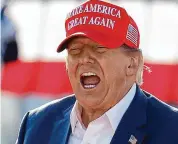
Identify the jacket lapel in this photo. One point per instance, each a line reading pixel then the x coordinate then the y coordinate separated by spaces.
pixel 62 129
pixel 133 124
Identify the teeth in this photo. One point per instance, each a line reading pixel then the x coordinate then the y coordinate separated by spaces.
pixel 89 86
pixel 88 74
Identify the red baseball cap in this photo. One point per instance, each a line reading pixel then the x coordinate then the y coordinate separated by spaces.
pixel 102 22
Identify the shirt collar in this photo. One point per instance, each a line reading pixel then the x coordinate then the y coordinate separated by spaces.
pixel 75 115
pixel 114 115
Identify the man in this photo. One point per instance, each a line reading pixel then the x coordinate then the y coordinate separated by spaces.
pixel 105 67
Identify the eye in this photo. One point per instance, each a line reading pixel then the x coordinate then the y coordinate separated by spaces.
pixel 74 51
pixel 101 49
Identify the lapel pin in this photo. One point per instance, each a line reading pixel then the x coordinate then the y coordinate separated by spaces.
pixel 132 140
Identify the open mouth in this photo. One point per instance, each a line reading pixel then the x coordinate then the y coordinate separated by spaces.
pixel 89 80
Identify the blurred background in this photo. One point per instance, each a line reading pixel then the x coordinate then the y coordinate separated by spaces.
pixel 32 73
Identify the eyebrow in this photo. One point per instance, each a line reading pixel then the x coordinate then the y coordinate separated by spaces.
pixel 101 46
pixel 69 45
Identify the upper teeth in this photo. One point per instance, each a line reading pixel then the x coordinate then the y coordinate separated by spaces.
pixel 88 74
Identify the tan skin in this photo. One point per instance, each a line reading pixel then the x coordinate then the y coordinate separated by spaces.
pixel 115 68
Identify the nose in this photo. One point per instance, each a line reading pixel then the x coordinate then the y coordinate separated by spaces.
pixel 87 56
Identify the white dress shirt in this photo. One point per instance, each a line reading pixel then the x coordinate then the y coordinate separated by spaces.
pixel 101 130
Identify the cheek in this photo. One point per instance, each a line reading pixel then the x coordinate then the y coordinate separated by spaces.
pixel 113 70
pixel 71 66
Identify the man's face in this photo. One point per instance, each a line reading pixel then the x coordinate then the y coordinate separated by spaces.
pixel 97 74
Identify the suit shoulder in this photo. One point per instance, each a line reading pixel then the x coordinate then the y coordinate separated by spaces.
pixel 160 106
pixel 161 112
pixel 55 106
pixel 162 119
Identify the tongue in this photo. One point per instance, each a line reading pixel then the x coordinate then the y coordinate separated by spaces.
pixel 91 80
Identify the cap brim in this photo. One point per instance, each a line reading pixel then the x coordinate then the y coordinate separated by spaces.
pixel 99 37
pixel 63 44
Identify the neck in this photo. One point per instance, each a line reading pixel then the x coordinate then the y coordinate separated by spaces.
pixel 89 115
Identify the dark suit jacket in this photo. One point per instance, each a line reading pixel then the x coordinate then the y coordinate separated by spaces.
pixel 149 120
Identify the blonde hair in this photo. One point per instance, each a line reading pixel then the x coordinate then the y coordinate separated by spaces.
pixel 139 75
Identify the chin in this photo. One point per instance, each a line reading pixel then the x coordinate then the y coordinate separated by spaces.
pixel 89 100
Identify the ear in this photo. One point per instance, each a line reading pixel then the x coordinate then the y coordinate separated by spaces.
pixel 132 66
